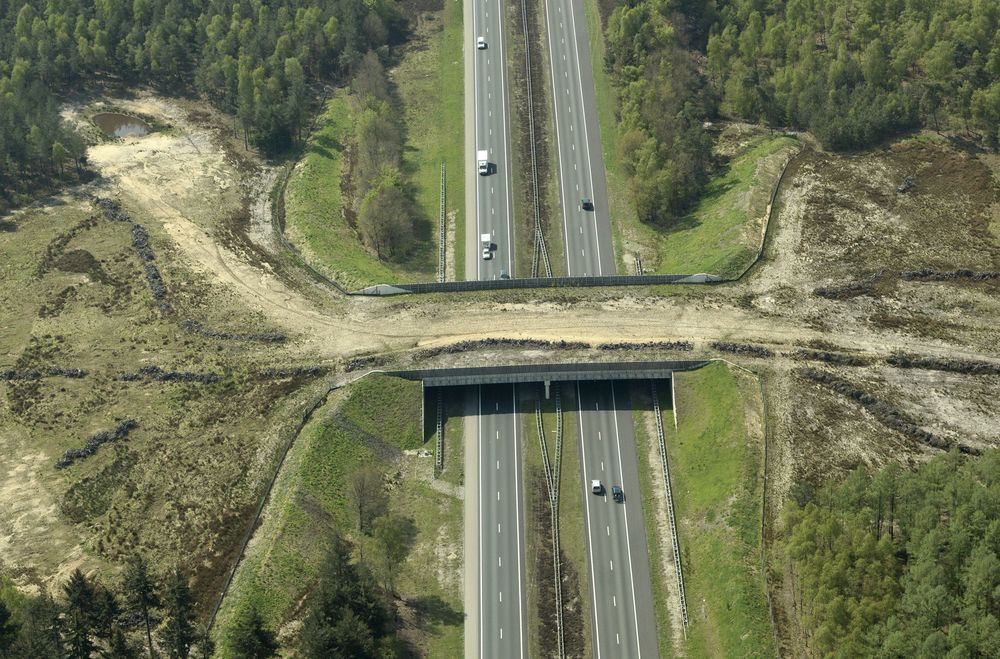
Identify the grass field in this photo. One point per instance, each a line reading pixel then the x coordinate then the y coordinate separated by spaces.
pixel 429 82
pixel 716 471
pixel 310 502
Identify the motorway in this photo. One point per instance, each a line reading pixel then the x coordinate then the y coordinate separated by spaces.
pixel 494 197
pixel 589 247
pixel 621 591
pixel 501 536
pixel 620 588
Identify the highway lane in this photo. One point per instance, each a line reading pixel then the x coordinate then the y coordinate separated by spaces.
pixel 503 632
pixel 621 591
pixel 494 197
pixel 589 246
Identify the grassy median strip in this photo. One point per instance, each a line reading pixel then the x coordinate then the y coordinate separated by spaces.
pixel 311 501
pixel 572 525
pixel 716 471
pixel 541 592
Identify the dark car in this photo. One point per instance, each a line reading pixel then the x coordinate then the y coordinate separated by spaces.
pixel 586 204
pixel 618 493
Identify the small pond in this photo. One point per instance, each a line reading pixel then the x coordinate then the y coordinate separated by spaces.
pixel 120 125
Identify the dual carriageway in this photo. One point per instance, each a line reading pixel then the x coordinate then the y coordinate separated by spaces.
pixel 618 565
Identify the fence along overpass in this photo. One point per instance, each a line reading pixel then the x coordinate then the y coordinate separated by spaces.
pixel 518 373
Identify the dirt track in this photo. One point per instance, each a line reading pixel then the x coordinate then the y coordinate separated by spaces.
pixel 822 236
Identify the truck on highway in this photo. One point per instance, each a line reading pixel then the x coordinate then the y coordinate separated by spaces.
pixel 487 244
pixel 483 162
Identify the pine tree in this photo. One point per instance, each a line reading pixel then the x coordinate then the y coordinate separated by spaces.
pixel 8 631
pixel 249 639
pixel 81 616
pixel 140 592
pixel 178 629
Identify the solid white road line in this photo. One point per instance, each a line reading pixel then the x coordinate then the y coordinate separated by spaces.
pixel 628 542
pixel 517 499
pixel 593 579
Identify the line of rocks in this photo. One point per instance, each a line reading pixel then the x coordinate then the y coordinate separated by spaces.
pixel 829 357
pixel 883 412
pixel 745 349
pixel 358 363
pixel 140 243
pixel 262 337
pixel 648 345
pixel 158 374
pixel 968 367
pixel 293 372
pixel 849 290
pixel 94 442
pixel 463 346
pixel 926 274
pixel 9 376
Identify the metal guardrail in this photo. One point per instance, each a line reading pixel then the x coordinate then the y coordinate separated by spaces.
pixel 439 458
pixel 552 484
pixel 537 282
pixel 442 264
pixel 670 503
pixel 540 248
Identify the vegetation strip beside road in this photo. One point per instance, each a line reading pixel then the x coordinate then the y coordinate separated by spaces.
pixel 716 462
pixel 314 501
pixel 653 502
pixel 332 230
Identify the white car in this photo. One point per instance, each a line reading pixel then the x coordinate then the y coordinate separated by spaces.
pixel 596 487
pixel 487 254
pixel 481 43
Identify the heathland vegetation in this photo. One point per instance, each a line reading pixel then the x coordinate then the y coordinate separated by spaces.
pixel 851 72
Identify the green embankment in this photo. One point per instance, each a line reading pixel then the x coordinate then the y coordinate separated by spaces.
pixel 429 82
pixel 716 471
pixel 311 501
pixel 713 237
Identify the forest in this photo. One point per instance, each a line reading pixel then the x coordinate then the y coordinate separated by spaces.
pixel 348 614
pixel 898 563
pixel 257 60
pixel 851 72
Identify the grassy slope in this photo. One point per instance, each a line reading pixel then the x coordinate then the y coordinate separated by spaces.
pixel 642 405
pixel 429 80
pixel 716 477
pixel 310 502
pixel 716 241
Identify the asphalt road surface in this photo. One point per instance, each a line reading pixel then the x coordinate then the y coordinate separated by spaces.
pixel 589 247
pixel 494 197
pixel 621 591
pixel 503 631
